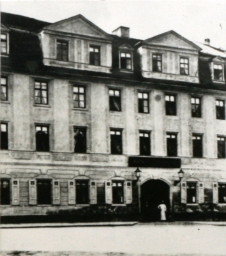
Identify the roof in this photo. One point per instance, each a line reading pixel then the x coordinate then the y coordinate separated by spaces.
pixel 210 50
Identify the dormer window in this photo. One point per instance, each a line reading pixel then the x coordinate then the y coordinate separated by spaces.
pixel 125 60
pixel 157 62
pixel 94 55
pixel 184 66
pixel 62 50
pixel 218 72
pixel 4 43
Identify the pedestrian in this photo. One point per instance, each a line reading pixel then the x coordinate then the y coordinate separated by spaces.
pixel 162 207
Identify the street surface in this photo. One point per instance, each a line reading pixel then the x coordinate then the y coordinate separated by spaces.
pixel 152 239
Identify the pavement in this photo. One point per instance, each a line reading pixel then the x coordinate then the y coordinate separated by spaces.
pixel 108 224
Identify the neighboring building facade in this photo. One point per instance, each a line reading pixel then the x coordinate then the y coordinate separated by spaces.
pixel 81 109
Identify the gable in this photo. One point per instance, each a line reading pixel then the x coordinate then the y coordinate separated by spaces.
pixel 172 39
pixel 218 59
pixel 78 25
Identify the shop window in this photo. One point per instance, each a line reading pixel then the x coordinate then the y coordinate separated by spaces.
pixel 197 145
pixel 41 92
pixel 157 62
pixel 184 66
pixel 62 50
pixel 79 96
pixel 145 144
pixel 114 100
pixel 222 193
pixel 170 105
pixel 221 147
pixel 101 193
pixel 44 191
pixel 4 43
pixel 94 55
pixel 4 88
pixel 116 141
pixel 82 191
pixel 191 192
pixel 220 109
pixel 5 192
pixel 171 141
pixel 42 137
pixel 117 192
pixel 126 60
pixel 195 107
pixel 218 72
pixel 4 135
pixel 80 139
pixel 143 102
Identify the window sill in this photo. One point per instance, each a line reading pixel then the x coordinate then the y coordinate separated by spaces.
pixel 145 113
pixel 82 204
pixel 192 204
pixel 197 117
pixel 219 81
pixel 4 102
pixel 123 204
pixel 220 119
pixel 42 105
pixel 126 70
pixel 80 109
pixel 173 116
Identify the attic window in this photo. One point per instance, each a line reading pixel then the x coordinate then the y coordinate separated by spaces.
pixel 184 66
pixel 62 50
pixel 94 55
pixel 4 43
pixel 218 72
pixel 125 60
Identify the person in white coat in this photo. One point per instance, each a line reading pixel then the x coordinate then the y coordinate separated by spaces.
pixel 162 207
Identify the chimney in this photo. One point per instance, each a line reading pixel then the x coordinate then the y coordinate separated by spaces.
pixel 121 31
pixel 207 41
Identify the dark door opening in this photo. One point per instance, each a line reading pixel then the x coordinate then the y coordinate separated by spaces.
pixel 153 192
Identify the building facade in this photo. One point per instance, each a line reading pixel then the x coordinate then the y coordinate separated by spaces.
pixel 81 110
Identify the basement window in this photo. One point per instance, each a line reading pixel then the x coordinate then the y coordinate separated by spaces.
pixel 118 192
pixel 82 191
pixel 79 139
pixel 116 141
pixel 44 191
pixel 101 193
pixel 191 192
pixel 5 192
pixel 114 100
pixel 222 193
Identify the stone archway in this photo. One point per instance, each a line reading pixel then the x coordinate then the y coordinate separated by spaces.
pixel 153 192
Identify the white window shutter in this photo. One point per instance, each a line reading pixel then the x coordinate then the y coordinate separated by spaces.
pixel 15 192
pixel 93 192
pixel 71 192
pixel 32 192
pixel 215 193
pixel 128 192
pixel 56 192
pixel 183 192
pixel 108 191
pixel 200 192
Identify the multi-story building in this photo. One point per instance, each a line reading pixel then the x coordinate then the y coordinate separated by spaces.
pixel 82 109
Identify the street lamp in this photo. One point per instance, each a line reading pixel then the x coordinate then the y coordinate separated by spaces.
pixel 180 176
pixel 138 174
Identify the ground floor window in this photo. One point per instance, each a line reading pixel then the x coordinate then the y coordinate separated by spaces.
pixel 44 191
pixel 191 193
pixel 118 192
pixel 82 191
pixel 5 192
pixel 222 193
pixel 100 193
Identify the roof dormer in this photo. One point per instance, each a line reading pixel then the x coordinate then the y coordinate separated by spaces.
pixel 217 70
pixel 4 41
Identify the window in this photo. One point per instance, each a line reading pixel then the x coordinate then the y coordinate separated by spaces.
pixel 221 147
pixel 222 193
pixel 170 105
pixel 171 141
pixel 44 191
pixel 4 89
pixel 195 107
pixel 100 193
pixel 125 60
pixel 79 96
pixel 184 66
pixel 220 109
pixel 156 62
pixel 191 192
pixel 5 192
pixel 143 102
pixel 117 192
pixel 80 139
pixel 41 93
pixel 82 191
pixel 62 50
pixel 4 43
pixel 218 72
pixel 94 55
pixel 114 100
pixel 4 136
pixel 116 141
pixel 145 145
pixel 197 145
pixel 42 137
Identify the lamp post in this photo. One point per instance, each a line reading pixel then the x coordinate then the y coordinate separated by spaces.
pixel 138 174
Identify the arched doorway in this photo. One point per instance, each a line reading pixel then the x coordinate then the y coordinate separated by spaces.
pixel 153 192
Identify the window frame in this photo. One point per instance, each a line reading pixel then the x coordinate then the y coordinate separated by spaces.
pixel 219 193
pixel 7 44
pixel 141 102
pixel 116 130
pixel 120 59
pixel 167 146
pixel 157 61
pixel 221 155
pixel 48 132
pixel 196 108
pixel 41 82
pixel 6 99
pixel 7 135
pixel 9 199
pixel 111 99
pixel 143 133
pixel 80 202
pixel 193 146
pixel 214 77
pixel 196 192
pixel 80 128
pixel 50 201
pixel 169 105
pixel 92 60
pixel 59 40
pixel 186 65
pixel 78 95
pixel 113 192
pixel 220 110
